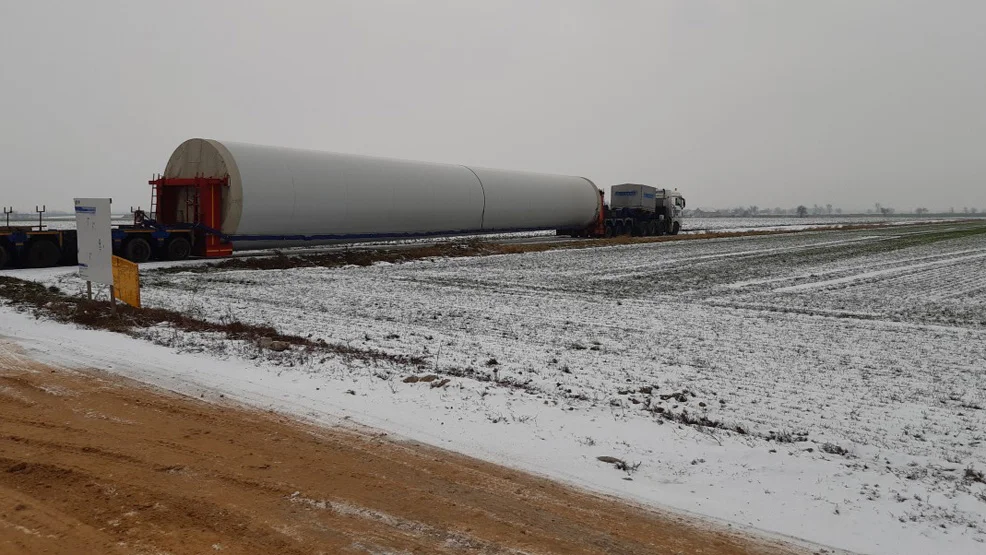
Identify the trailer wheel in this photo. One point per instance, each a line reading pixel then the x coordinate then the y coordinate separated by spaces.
pixel 43 254
pixel 137 250
pixel 4 256
pixel 651 228
pixel 179 248
pixel 618 229
pixel 608 231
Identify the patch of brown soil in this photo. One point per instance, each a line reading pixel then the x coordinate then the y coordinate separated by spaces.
pixel 95 464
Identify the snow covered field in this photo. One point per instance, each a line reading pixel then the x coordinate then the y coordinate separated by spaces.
pixel 828 386
pixel 696 224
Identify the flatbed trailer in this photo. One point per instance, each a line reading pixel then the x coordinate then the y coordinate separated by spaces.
pixel 37 247
pixel 186 219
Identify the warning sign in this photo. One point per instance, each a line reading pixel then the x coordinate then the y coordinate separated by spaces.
pixel 126 281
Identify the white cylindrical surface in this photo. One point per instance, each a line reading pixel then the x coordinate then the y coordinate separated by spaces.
pixel 276 191
pixel 523 200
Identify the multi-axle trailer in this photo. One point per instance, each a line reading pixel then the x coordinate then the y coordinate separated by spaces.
pixel 216 196
pixel 38 246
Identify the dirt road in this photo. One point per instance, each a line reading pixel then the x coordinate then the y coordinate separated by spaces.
pixel 91 463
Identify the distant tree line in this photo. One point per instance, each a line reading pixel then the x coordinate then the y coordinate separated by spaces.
pixel 752 211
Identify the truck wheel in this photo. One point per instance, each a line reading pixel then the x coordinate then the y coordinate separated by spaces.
pixel 179 248
pixel 676 228
pixel 618 229
pixel 4 257
pixel 651 228
pixel 43 254
pixel 137 250
pixel 608 232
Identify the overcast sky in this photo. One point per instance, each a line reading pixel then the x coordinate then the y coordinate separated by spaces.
pixel 734 103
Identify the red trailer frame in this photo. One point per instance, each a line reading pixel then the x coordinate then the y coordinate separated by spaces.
pixel 203 202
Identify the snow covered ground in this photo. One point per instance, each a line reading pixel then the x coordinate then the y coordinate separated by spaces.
pixel 827 386
pixel 722 224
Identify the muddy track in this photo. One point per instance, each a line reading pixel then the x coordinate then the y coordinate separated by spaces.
pixel 95 464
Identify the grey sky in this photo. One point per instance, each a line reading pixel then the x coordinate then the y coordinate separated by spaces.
pixel 734 103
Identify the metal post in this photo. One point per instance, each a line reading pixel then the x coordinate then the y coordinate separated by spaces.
pixel 89 289
pixel 112 301
pixel 7 212
pixel 40 211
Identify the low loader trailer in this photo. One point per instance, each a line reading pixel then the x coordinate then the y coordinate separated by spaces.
pixel 214 195
pixel 38 246
pixel 187 215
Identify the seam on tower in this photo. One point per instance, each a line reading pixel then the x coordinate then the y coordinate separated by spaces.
pixel 482 217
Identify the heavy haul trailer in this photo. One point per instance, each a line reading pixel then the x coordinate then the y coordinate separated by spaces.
pixel 145 240
pixel 214 197
pixel 38 247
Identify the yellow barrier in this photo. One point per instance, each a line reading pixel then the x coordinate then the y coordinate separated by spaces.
pixel 126 281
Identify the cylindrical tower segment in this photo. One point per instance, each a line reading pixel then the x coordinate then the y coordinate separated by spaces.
pixel 275 192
